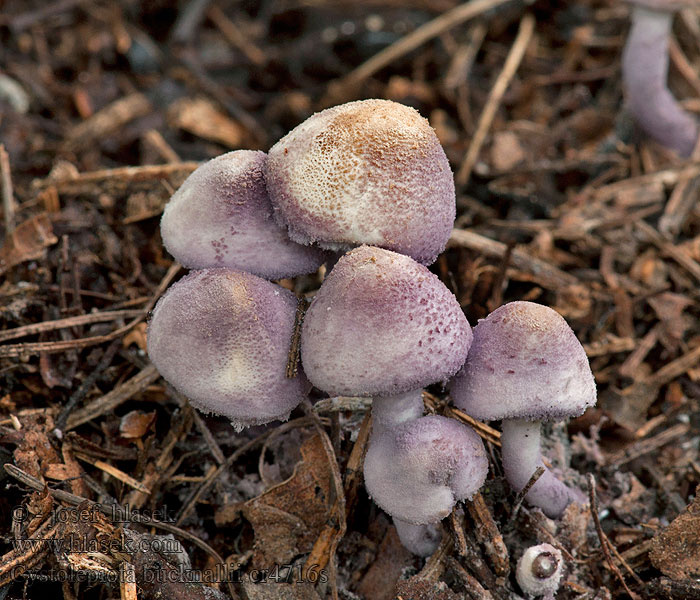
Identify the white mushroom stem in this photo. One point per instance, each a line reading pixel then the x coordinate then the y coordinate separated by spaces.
pixel 645 73
pixel 520 447
pixel 421 540
pixel 387 413
pixel 390 411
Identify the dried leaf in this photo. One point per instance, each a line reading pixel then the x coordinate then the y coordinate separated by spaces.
pixel 288 517
pixel 201 118
pixel 669 308
pixel 135 424
pixel 27 242
pixel 676 550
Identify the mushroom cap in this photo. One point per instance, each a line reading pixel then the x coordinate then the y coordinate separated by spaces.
pixel 539 570
pixel 382 324
pixel 221 216
pixel 222 338
pixel 366 172
pixel 525 363
pixel 420 469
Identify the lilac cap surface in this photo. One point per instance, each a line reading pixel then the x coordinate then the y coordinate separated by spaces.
pixel 525 363
pixel 419 470
pixel 221 216
pixel 222 338
pixel 366 172
pixel 382 324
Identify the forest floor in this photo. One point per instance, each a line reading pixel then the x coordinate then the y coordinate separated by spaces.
pixel 105 108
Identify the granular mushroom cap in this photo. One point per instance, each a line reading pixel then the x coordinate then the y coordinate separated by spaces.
pixel 221 216
pixel 382 324
pixel 366 172
pixel 525 363
pixel 222 338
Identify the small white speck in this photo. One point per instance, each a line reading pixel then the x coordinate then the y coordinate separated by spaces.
pixel 329 35
pixel 347 28
pixel 374 23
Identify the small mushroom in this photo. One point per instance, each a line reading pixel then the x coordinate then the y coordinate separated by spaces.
pixel 525 366
pixel 221 216
pixel 539 571
pixel 222 338
pixel 645 73
pixel 366 172
pixel 382 325
pixel 417 470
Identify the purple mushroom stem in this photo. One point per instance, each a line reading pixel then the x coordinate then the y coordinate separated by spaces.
pixel 645 72
pixel 421 540
pixel 390 411
pixel 520 447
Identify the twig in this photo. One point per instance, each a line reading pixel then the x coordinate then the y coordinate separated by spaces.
pixel 515 56
pixel 488 535
pixel 78 320
pixel 431 29
pixel 116 180
pixel 675 252
pixel 295 345
pixel 111 400
pixel 642 447
pixel 8 200
pixel 472 588
pixel 487 433
pixel 539 471
pixel 85 386
pixel 546 274
pixel 604 542
pixel 15 350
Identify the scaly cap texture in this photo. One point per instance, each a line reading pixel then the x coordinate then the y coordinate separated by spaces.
pixel 382 324
pixel 525 363
pixel 365 172
pixel 222 338
pixel 419 470
pixel 221 216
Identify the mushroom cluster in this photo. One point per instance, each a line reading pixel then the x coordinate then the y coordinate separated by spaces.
pixel 370 171
pixel 366 188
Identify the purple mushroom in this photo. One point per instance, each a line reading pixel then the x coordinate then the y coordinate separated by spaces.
pixel 526 365
pixel 222 338
pixel 645 71
pixel 384 326
pixel 539 571
pixel 221 216
pixel 366 172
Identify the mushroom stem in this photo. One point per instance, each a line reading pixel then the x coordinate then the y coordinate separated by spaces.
pixel 421 540
pixel 645 72
pixel 390 411
pixel 520 446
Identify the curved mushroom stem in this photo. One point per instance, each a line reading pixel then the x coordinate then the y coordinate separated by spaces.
pixel 645 71
pixel 390 411
pixel 520 446
pixel 422 540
